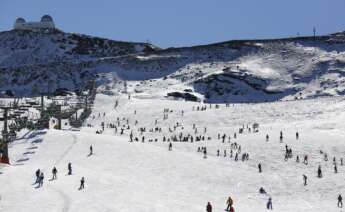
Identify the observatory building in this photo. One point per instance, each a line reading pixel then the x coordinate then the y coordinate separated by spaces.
pixel 45 23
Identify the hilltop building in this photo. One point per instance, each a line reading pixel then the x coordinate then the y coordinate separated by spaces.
pixel 46 22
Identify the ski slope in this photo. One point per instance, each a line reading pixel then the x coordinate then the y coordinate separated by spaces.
pixel 145 176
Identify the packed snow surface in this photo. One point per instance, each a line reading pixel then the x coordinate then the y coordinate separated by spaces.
pixel 145 176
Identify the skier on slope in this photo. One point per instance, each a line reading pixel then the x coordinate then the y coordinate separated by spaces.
pixel 259 167
pixel 319 172
pixel 91 150
pixel 69 168
pixel 209 207
pixel 170 146
pixel 340 201
pixel 82 182
pixel 269 204
pixel 205 153
pixel 305 161
pixel 229 203
pixel 54 171
pixel 37 173
pixel 40 183
pixel 305 179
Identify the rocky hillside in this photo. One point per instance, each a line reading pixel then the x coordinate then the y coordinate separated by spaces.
pixel 19 47
pixel 233 71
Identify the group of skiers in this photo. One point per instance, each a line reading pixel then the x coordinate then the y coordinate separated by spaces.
pixel 229 207
pixel 40 175
pixel 178 134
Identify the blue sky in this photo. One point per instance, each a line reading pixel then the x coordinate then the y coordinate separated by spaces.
pixel 182 22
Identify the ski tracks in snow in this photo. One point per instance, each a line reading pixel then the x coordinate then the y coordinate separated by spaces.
pixel 63 195
pixel 75 140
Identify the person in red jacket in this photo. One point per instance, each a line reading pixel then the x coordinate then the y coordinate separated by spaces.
pixel 209 207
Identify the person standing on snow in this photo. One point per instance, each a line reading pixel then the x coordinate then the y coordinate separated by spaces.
pixel 319 172
pixel 259 167
pixel 170 146
pixel 91 150
pixel 209 207
pixel 269 204
pixel 40 183
pixel 38 172
pixel 54 171
pixel 340 201
pixel 229 202
pixel 305 179
pixel 82 182
pixel 69 168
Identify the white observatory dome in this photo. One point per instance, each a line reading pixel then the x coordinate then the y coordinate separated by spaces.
pixel 46 18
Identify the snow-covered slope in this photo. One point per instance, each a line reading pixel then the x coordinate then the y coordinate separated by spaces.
pixel 145 176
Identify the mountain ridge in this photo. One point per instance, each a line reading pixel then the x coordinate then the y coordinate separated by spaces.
pixel 219 72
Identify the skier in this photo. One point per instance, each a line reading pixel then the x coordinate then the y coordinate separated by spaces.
pixel 229 202
pixel 305 161
pixel 269 204
pixel 209 207
pixel 262 190
pixel 38 172
pixel 54 171
pixel 259 166
pixel 319 172
pixel 267 137
pixel 297 135
pixel 335 168
pixel 69 168
pixel 40 183
pixel 205 153
pixel 170 146
pixel 305 179
pixel 91 150
pixel 340 201
pixel 82 181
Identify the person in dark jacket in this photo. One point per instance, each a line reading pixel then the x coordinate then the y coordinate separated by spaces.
pixel 54 171
pixel 91 150
pixel 69 168
pixel 82 182
pixel 38 172
pixel 340 201
pixel 269 204
pixel 209 207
